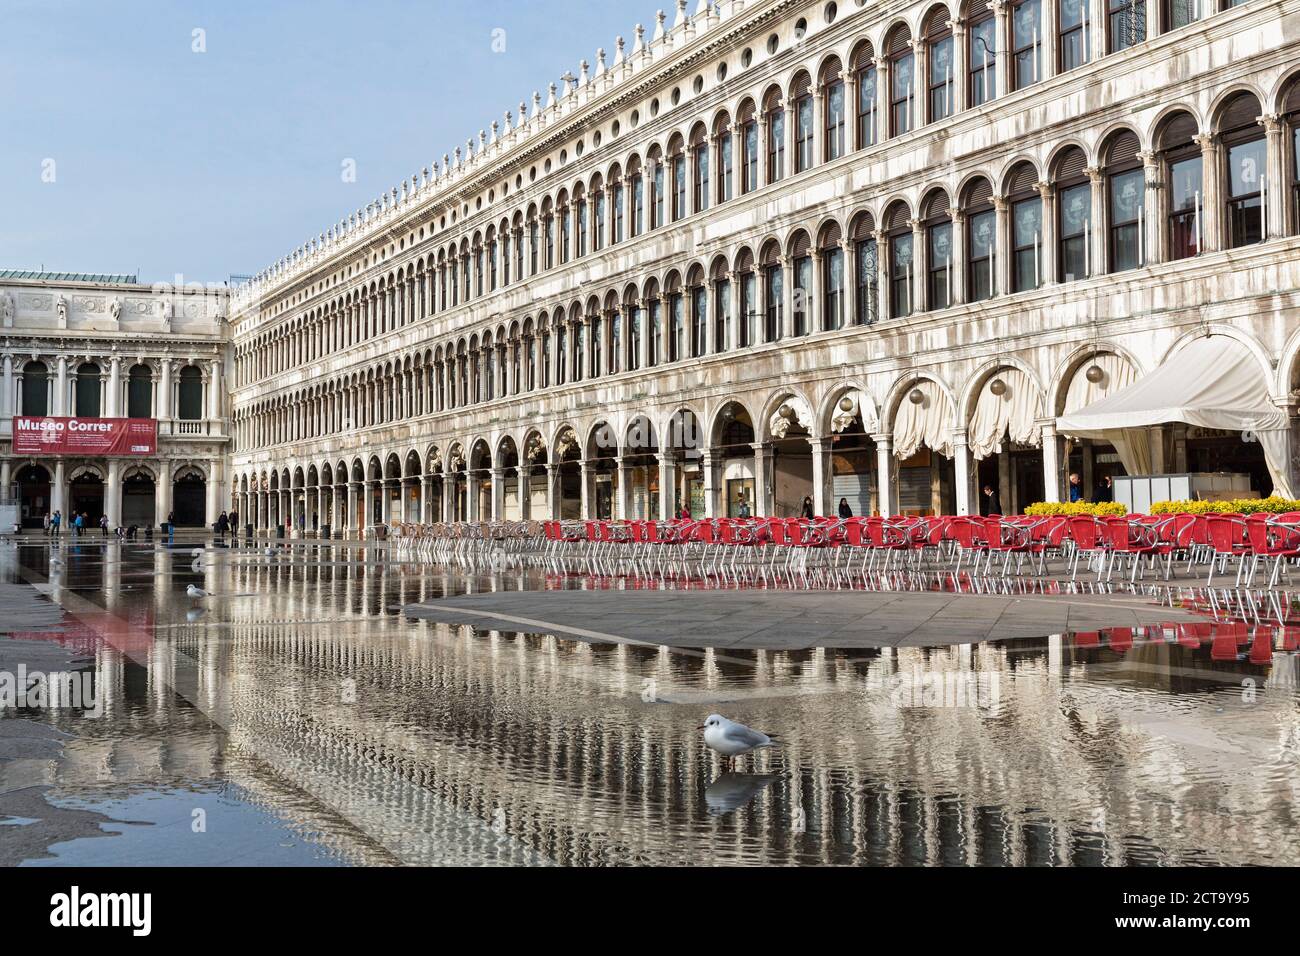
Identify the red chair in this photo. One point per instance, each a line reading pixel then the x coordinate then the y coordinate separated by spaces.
pixel 1227 540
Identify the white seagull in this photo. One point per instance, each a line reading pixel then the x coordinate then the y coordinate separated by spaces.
pixel 731 739
pixel 196 592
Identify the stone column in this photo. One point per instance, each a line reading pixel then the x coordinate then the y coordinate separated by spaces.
pixel 667 489
pixel 448 493
pixel 1001 39
pixel 1047 238
pixel 163 493
pixel 1098 220
pixel 787 296
pixel 354 488
pixel 162 398
pixel 521 479
pixel 1278 185
pixel 1047 40
pixel 1211 238
pixel 762 476
pixel 623 480
pixel 114 404
pixel 821 460
pixel 957 280
pixel 61 387
pixel 1153 208
pixel 213 411
pixel 960 67
pixel 791 121
pixel 1051 461
pixel 919 266
pixel 112 493
pixel 961 468
pixel 1002 246
pixel 712 483
pixel 7 395
pixel 884 111
pixel 584 489
pixel 553 490
pixel 212 491
pixel 819 125
pixel 884 473
pixel 498 477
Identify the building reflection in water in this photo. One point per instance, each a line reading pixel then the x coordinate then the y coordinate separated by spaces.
pixel 386 739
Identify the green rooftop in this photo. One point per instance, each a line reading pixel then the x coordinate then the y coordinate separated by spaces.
pixel 69 277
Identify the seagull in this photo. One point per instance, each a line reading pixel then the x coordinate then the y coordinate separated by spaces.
pixel 196 592
pixel 731 739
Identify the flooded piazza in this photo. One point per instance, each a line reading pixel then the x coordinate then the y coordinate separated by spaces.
pixel 304 714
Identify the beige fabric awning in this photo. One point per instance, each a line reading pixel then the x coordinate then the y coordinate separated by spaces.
pixel 1215 382
pixel 929 423
pixel 1012 414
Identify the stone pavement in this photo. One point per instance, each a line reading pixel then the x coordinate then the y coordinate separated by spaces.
pixel 791 619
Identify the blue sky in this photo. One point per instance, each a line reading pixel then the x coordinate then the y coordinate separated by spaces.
pixel 166 160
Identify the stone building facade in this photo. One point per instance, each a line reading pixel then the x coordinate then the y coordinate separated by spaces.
pixel 776 251
pixel 102 346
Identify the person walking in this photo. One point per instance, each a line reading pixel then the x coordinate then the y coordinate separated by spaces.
pixel 234 522
pixel 807 510
pixel 1076 487
pixel 103 526
pixel 171 526
pixel 223 525
pixel 48 524
pixel 77 523
pixel 845 511
pixel 989 502
pixel 55 520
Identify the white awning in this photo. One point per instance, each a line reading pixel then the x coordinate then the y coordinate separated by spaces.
pixel 1012 414
pixel 928 422
pixel 1215 382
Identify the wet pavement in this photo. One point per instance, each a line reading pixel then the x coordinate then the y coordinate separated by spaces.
pixel 299 717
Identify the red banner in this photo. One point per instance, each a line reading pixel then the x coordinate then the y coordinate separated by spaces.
pixel 119 437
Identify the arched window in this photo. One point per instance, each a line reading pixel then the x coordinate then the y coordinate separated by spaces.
pixel 676 319
pixel 677 157
pixel 1073 31
pixel 726 164
pixel 1126 23
pixel 478 269
pixel 899 232
pixel 656 189
pixel 1073 216
pixel 597 214
pixel 1246 154
pixel 190 403
pixel 902 64
pixel 634 332
pixel 548 218
pixel 749 147
pixel 1291 116
pixel 721 304
pixel 620 209
pixel 981 54
pixel 88 388
pixel 938 40
pixel 1180 159
pixel 36 389
pixel 139 392
pixel 699 293
pixel 866 270
pixel 775 113
pixel 832 265
pixel 1125 203
pixel 578 339
pixel 655 325
pixel 802 265
pixel 596 324
pixel 637 218
pixel 938 251
pixel 615 334
pixel 833 97
pixel 773 294
pixel 747 280
pixel 864 71
pixel 1026 39
pixel 566 227
pixel 699 168
pixel 804 131
pixel 981 240
pixel 580 217
pixel 1026 228
pixel 561 348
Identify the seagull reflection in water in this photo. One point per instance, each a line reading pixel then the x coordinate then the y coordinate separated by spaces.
pixel 731 791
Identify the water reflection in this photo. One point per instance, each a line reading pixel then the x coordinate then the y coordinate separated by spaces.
pixel 381 739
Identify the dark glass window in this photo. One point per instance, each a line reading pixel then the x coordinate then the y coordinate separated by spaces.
pixel 868 279
pixel 749 181
pixel 775 305
pixel 775 145
pixel 867 107
pixel 139 393
pixel 939 271
pixel 748 309
pixel 191 394
pixel 982 230
pixel 983 61
pixel 941 102
pixel 87 404
pixel 36 392
pixel 900 93
pixel 1246 169
pixel 1026 37
pixel 701 196
pixel 900 274
pixel 803 293
pixel 1026 239
pixel 1127 22
pixel 803 141
pixel 1126 214
pixel 721 314
pixel 833 288
pixel 1071 50
pixel 725 168
pixel 834 120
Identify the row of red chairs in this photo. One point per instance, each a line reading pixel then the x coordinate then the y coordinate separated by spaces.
pixel 977 544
